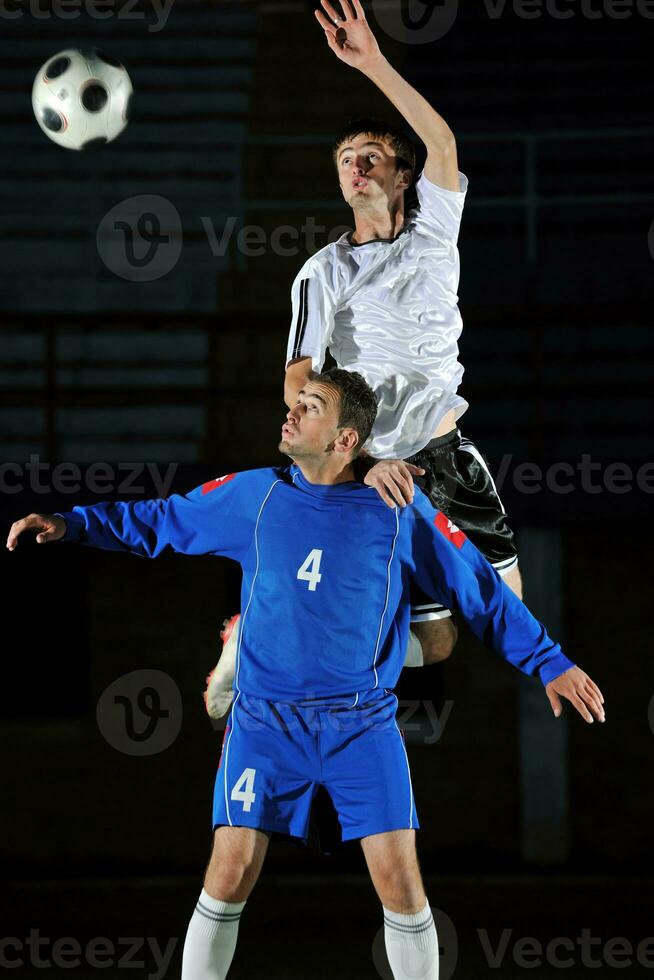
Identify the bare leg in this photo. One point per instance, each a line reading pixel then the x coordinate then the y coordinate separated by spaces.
pixel 409 930
pixel 393 865
pixel 437 638
pixel 514 581
pixel 235 864
pixel 236 861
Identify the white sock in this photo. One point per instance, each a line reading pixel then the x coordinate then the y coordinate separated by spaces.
pixel 211 939
pixel 412 945
pixel 414 655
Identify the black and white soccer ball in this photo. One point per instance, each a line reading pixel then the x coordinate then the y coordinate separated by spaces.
pixel 82 100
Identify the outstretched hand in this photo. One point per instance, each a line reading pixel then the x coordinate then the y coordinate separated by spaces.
pixel 348 33
pixel 49 527
pixel 580 691
pixel 393 481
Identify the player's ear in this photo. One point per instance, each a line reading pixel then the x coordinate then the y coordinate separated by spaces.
pixel 347 441
pixel 405 176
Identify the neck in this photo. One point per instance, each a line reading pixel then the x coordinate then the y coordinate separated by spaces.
pixel 375 225
pixel 327 472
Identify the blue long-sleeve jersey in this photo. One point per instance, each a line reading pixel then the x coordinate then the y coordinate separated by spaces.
pixel 326 574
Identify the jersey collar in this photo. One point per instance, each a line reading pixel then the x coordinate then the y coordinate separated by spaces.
pixel 327 489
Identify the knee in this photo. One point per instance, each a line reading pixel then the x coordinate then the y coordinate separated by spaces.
pixel 438 644
pixel 230 880
pixel 235 863
pixel 401 889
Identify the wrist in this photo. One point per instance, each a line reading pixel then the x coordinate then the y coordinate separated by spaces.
pixel 374 67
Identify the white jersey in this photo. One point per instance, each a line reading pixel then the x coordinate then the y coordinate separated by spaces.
pixel 388 309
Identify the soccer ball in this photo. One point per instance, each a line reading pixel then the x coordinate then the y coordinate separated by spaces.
pixel 82 100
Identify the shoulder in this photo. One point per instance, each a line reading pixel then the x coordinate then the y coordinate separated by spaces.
pixel 322 262
pixel 244 483
pixel 428 190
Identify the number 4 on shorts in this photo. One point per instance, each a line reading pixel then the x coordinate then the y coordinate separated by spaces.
pixel 309 571
pixel 243 791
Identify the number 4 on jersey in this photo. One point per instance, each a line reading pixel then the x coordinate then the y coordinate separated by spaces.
pixel 243 791
pixel 309 571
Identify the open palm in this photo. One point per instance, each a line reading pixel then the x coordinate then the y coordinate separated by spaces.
pixel 357 46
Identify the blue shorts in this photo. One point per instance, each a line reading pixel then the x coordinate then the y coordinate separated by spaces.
pixel 275 756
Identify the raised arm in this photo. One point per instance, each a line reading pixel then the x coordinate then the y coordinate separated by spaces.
pixel 358 48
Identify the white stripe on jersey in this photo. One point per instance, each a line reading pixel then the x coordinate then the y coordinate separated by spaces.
pixel 388 589
pixel 231 732
pixel 408 770
pixel 254 579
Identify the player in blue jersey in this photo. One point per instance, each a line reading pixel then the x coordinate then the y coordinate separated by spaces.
pixel 383 301
pixel 327 569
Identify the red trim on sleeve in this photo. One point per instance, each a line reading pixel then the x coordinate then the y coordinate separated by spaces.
pixel 449 530
pixel 218 482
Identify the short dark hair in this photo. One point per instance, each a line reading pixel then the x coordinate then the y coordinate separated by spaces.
pixel 358 402
pixel 381 130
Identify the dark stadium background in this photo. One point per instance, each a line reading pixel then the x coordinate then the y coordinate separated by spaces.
pixel 538 827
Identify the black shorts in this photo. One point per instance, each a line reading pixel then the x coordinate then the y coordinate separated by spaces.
pixel 458 482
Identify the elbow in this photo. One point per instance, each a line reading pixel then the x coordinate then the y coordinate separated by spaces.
pixel 443 145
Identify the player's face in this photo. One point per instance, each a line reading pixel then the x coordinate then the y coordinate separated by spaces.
pixel 311 426
pixel 367 173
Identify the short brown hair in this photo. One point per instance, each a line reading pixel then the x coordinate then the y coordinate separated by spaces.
pixel 358 408
pixel 380 130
